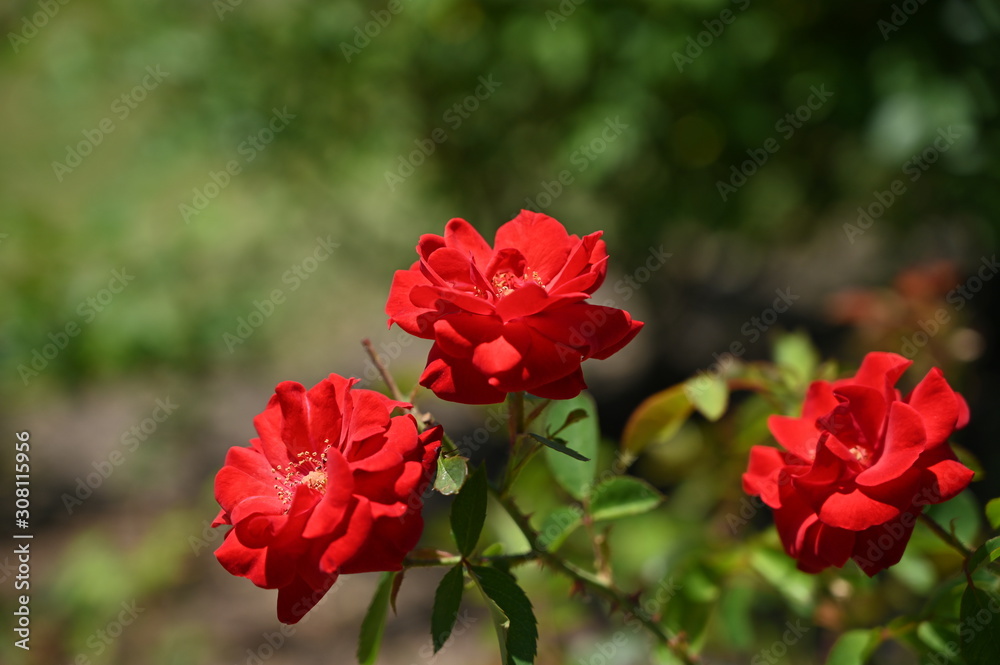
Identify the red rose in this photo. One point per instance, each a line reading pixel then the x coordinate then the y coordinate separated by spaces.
pixel 510 317
pixel 333 485
pixel 861 463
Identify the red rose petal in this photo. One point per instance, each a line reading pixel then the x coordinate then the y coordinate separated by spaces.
pixel 904 443
pixel 938 405
pixel 296 599
pixel 542 240
pixel 761 477
pixel 855 510
pixel 400 308
pixel 462 236
pixel 881 546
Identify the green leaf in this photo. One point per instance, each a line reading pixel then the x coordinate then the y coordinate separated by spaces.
pixel 468 512
pixel 736 612
pixel 451 474
pixel 709 394
pixel 581 435
pixel 985 553
pixel 980 638
pixel 623 496
pixel 993 513
pixel 520 634
pixel 373 624
pixel 574 416
pixel 447 598
pixel 656 420
pixel 557 526
pixel 795 353
pixel 854 647
pixel 558 446
pixel 961 513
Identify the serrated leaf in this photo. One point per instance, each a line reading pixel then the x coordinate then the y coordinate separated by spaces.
pixel 993 513
pixel 559 447
pixel 520 635
pixel 656 420
pixel 447 599
pixel 854 647
pixel 709 394
pixel 582 436
pixel 451 474
pixel 623 496
pixel 980 637
pixel 985 553
pixel 468 512
pixel 373 625
pixel 557 526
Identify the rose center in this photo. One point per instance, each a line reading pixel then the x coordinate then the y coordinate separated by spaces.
pixel 307 468
pixel 862 455
pixel 315 479
pixel 504 282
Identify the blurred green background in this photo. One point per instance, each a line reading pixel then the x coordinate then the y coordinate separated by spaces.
pixel 218 152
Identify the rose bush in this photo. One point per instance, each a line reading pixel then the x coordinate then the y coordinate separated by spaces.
pixel 511 317
pixel 859 465
pixel 332 485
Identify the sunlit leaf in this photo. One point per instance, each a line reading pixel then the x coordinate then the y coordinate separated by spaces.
pixel 854 647
pixel 451 474
pixel 657 419
pixel 557 526
pixel 623 496
pixel 373 625
pixel 581 435
pixel 709 394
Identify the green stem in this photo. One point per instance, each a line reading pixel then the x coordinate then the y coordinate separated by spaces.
pixel 946 536
pixel 453 559
pixel 615 596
